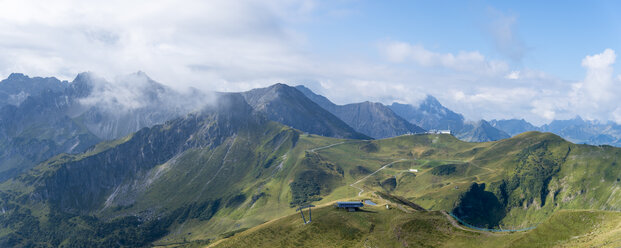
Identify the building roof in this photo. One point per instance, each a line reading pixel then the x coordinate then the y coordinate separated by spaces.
pixel 349 204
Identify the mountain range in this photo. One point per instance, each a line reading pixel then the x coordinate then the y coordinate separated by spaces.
pixel 372 119
pixel 133 163
pixel 227 168
pixel 380 121
pixel 287 105
pixel 431 115
pixel 38 122
pixel 575 130
pixel 42 117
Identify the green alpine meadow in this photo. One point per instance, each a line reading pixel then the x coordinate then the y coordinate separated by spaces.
pixel 310 123
pixel 230 177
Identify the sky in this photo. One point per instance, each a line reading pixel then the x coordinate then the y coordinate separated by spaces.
pixel 537 60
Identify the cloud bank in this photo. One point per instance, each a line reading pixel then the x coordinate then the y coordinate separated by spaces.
pixel 226 45
pixel 197 43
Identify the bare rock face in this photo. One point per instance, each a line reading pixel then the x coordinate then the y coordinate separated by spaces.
pixel 17 87
pixel 37 129
pixel 287 105
pixel 430 114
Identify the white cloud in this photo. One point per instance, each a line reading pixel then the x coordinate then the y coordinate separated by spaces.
pixel 481 101
pixel 535 96
pixel 513 75
pixel 595 97
pixel 616 114
pixel 136 91
pixel 600 61
pixel 198 43
pixel 599 81
pixel 472 61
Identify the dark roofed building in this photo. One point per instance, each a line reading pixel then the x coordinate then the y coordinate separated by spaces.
pixel 350 205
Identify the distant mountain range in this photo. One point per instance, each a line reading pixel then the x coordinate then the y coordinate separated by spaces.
pixel 17 87
pixel 430 114
pixel 380 121
pixel 372 119
pixel 575 130
pixel 42 117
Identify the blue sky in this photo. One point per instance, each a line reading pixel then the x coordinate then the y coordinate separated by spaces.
pixel 538 60
pixel 555 35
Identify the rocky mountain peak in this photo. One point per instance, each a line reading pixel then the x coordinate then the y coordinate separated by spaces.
pixel 17 76
pixel 287 105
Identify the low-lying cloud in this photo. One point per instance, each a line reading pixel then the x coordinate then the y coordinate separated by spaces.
pixel 137 91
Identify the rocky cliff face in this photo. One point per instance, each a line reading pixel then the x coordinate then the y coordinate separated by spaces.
pixel 372 119
pixel 430 114
pixel 287 105
pixel 53 116
pixel 81 183
pixel 38 129
pixel 17 87
pixel 189 168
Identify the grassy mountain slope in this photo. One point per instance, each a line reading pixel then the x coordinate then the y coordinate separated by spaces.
pixel 379 227
pixel 201 177
pixel 447 169
pixel 142 184
pixel 528 177
pixel 375 227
